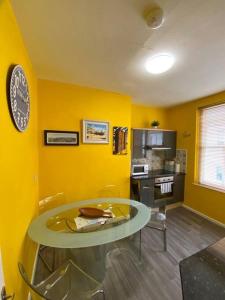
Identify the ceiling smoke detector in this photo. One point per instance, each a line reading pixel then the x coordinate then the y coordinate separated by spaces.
pixel 155 18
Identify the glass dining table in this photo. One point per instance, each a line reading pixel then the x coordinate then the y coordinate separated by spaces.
pixel 89 247
pixel 57 227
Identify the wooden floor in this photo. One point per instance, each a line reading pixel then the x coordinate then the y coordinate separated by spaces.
pixel 157 276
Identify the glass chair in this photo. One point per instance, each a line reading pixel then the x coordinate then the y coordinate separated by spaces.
pixel 158 218
pixel 46 204
pixel 68 282
pixel 109 191
pixel 93 259
pixel 127 245
pixel 158 222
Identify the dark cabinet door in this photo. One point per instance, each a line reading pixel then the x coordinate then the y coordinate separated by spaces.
pixel 170 139
pixel 143 190
pixel 147 192
pixel 139 138
pixel 178 189
pixel 148 139
pixel 154 138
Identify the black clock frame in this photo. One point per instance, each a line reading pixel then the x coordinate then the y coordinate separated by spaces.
pixel 8 87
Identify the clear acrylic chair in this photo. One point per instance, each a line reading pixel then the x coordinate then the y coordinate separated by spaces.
pixel 46 204
pixel 127 245
pixel 158 218
pixel 93 259
pixel 158 222
pixel 110 191
pixel 68 282
pixel 51 202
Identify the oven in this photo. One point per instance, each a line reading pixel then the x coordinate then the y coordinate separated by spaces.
pixel 163 187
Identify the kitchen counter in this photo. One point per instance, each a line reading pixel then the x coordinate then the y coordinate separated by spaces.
pixel 203 274
pixel 156 173
pixel 143 188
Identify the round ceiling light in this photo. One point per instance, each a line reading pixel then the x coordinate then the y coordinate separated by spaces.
pixel 159 63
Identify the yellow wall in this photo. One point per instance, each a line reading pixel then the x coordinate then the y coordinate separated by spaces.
pixel 142 116
pixel 81 172
pixel 183 119
pixel 18 156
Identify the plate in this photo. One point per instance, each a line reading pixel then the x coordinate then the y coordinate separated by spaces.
pixel 91 212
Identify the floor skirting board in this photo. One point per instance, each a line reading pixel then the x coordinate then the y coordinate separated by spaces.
pixel 174 205
pixel 204 216
pixel 169 206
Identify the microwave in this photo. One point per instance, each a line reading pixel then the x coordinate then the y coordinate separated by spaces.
pixel 139 169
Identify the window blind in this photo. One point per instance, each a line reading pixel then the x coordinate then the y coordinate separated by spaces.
pixel 212 146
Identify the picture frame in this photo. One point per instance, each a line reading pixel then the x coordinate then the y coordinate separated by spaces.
pixel 61 138
pixel 120 140
pixel 95 132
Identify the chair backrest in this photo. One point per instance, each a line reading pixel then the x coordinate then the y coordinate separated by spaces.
pixel 27 281
pixel 136 194
pixel 135 191
pixel 51 202
pixel 110 191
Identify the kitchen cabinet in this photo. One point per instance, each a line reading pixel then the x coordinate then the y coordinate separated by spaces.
pixel 178 189
pixel 147 192
pixel 154 138
pixel 158 140
pixel 143 190
pixel 138 142
pixel 170 140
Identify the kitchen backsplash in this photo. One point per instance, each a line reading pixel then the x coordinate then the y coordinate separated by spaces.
pixel 156 159
pixel 181 157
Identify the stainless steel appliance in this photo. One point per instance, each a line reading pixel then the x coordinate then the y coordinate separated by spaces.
pixel 141 169
pixel 163 187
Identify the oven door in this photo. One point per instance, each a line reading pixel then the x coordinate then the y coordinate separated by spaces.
pixel 162 190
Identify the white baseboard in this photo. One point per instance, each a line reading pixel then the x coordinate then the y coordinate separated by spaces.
pixel 204 216
pixel 34 269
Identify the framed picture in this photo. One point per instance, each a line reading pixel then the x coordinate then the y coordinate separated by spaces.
pixel 95 132
pixel 120 140
pixel 59 138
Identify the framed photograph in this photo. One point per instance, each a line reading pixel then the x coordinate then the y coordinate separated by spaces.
pixel 61 138
pixel 95 132
pixel 120 140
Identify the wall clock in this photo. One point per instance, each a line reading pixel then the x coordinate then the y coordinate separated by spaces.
pixel 19 100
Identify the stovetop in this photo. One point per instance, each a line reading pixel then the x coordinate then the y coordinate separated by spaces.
pixel 160 172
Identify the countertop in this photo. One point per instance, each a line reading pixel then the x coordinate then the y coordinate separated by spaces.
pixel 156 173
pixel 203 274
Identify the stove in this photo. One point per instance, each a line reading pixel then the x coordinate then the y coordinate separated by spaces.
pixel 160 172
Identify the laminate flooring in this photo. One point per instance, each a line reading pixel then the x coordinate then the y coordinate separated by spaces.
pixel 156 276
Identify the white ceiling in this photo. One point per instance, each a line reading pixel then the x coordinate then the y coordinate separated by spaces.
pixel 104 44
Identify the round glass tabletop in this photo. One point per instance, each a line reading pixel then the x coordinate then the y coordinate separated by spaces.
pixel 63 227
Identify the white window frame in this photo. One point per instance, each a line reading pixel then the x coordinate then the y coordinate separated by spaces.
pixel 200 150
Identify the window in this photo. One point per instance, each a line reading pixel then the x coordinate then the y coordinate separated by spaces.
pixel 212 146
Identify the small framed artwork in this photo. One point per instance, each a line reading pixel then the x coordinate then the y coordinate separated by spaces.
pixel 61 138
pixel 120 140
pixel 95 132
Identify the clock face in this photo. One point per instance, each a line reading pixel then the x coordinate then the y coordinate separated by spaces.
pixel 19 98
